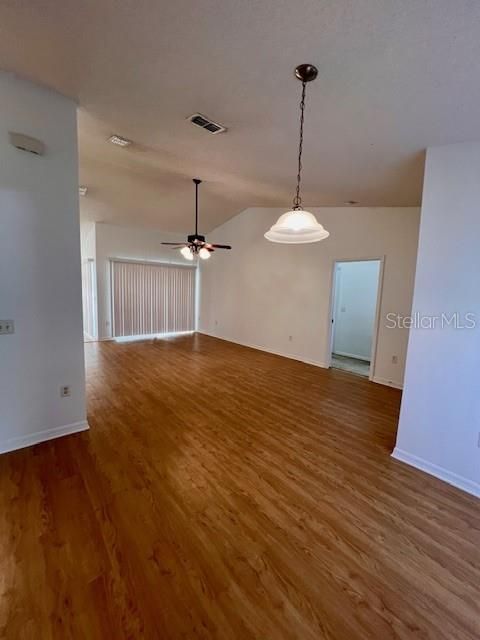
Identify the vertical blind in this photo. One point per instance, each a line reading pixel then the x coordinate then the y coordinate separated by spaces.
pixel 150 298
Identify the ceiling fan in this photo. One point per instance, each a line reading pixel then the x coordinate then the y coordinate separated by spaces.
pixel 196 244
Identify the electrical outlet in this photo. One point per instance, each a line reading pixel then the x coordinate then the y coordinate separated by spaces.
pixel 65 391
pixel 6 327
pixel 394 359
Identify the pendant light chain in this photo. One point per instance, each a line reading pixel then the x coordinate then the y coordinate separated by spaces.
pixel 297 200
pixel 298 226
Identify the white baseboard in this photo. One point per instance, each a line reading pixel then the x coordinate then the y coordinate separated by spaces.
pixel 350 355
pixel 19 442
pixel 387 382
pixel 439 472
pixel 315 363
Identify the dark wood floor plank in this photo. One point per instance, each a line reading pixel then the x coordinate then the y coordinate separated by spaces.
pixel 223 492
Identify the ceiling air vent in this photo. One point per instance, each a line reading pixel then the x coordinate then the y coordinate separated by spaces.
pixel 119 141
pixel 207 124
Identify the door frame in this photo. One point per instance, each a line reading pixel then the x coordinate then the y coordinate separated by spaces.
pixel 89 286
pixel 331 309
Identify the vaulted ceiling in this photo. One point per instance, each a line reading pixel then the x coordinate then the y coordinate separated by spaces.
pixel 394 77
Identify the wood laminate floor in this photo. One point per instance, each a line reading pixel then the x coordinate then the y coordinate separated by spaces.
pixel 226 493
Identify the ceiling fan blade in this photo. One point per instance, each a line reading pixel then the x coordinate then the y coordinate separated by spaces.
pixel 221 246
pixel 175 244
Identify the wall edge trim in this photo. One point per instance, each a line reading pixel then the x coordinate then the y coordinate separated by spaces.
pixel 27 440
pixel 449 477
pixel 387 382
pixel 315 363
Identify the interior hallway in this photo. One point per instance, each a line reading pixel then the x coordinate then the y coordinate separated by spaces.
pixel 353 365
pixel 224 492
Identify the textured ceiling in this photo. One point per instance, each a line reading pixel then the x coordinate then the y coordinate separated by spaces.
pixel 394 77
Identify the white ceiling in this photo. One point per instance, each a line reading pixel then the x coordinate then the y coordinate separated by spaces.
pixel 395 76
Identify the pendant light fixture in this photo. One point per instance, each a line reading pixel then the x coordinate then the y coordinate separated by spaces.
pixel 299 226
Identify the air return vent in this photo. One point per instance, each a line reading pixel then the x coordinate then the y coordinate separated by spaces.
pixel 205 123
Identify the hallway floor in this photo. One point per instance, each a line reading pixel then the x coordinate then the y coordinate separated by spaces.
pixel 353 365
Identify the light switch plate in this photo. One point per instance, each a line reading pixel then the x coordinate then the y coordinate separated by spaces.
pixel 6 327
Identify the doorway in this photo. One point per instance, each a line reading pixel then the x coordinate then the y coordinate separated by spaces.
pixel 354 315
pixel 89 301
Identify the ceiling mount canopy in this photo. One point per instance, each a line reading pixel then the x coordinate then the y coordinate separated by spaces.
pixel 306 72
pixel 196 244
pixel 298 226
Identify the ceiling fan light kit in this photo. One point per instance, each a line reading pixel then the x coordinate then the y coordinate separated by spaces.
pixel 187 253
pixel 204 253
pixel 299 226
pixel 196 244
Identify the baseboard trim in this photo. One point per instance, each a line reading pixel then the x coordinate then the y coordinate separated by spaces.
pixel 314 363
pixel 438 472
pixel 350 355
pixel 19 442
pixel 387 382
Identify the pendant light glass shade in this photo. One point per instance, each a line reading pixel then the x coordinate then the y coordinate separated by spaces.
pixel 297 227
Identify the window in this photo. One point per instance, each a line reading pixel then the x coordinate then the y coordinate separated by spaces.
pixel 150 298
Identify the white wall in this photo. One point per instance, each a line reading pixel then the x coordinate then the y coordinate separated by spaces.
pixel 260 293
pixel 113 241
pixel 439 427
pixel 40 282
pixel 356 286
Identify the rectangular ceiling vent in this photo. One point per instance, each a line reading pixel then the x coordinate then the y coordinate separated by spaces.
pixel 119 141
pixel 205 123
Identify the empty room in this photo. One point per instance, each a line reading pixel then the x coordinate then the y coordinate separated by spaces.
pixel 239 320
